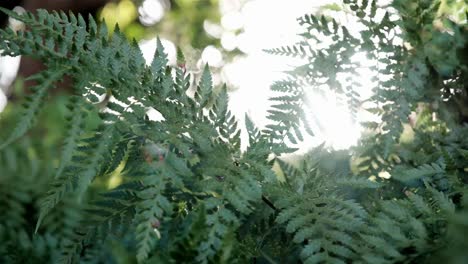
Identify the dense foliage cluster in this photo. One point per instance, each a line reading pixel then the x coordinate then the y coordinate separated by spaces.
pixel 187 193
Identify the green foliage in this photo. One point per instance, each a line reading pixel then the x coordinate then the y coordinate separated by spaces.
pixel 187 193
pixel 158 152
pixel 427 171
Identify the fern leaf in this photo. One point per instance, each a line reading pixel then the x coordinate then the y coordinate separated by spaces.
pixel 160 59
pixel 205 87
pixel 150 214
pixel 33 104
pixel 78 180
pixel 425 170
pixel 75 130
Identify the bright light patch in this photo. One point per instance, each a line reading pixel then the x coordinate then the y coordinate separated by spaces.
pixel 151 12
pixel 232 21
pixel 331 121
pixel 229 41
pixel 253 73
pixel 3 101
pixel 148 48
pixel 212 29
pixel 212 56
pixel 384 175
pixel 154 115
pixel 9 67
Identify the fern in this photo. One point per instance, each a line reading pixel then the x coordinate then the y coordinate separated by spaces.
pixel 186 191
pixel 326 228
pixel 33 104
pixel 421 171
pixel 183 131
pixel 76 126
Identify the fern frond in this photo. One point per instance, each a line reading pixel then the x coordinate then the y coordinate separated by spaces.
pixel 76 124
pixel 357 182
pixel 149 213
pixel 34 103
pixel 327 229
pixel 160 59
pixel 205 87
pixel 78 179
pixel 426 170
